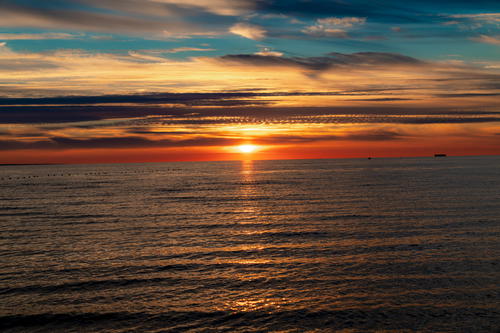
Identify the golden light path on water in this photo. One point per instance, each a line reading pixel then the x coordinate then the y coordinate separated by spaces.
pixel 249 191
pixel 252 245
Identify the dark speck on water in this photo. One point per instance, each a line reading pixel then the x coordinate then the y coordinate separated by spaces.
pixel 392 245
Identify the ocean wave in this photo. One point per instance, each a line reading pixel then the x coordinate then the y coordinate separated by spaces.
pixel 403 318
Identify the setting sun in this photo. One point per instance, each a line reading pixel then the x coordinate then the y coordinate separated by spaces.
pixel 249 165
pixel 247 148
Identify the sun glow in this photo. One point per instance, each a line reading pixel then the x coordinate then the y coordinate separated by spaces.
pixel 247 148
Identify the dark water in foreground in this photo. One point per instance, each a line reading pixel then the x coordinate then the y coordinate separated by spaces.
pixel 289 246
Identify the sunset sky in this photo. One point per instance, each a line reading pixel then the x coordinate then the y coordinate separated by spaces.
pixel 89 81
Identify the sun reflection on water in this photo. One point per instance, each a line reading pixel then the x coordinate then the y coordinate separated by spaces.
pixel 248 190
pixel 254 304
pixel 257 222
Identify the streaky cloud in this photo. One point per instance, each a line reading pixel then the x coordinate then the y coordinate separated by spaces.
pixel 250 31
pixel 58 143
pixel 38 36
pixel 495 40
pixel 51 16
pixel 332 60
pixel 55 143
pixel 90 116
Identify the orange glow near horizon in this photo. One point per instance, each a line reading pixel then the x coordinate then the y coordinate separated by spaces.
pixel 247 148
pixel 278 140
pixel 316 150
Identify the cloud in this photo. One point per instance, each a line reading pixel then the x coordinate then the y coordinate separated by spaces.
pixel 151 18
pixel 474 21
pixel 453 95
pixel 51 16
pixel 311 63
pixel 351 135
pixel 37 36
pixel 332 60
pixel 269 53
pixel 377 135
pixel 361 9
pixel 385 99
pixel 171 18
pixel 492 18
pixel 5 51
pixel 80 73
pixel 142 7
pixel 346 22
pixel 11 62
pixel 333 26
pixel 375 58
pixel 56 143
pixel 322 31
pixel 176 7
pixel 155 98
pixel 495 40
pixel 249 31
pixel 155 56
pixel 186 139
pixel 26 65
pixel 187 49
pixel 94 116
pixel 220 7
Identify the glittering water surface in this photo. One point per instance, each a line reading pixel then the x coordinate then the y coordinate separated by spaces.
pixel 288 246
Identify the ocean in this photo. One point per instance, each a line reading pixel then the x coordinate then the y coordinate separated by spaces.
pixel 354 245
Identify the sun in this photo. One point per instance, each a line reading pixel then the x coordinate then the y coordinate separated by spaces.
pixel 247 148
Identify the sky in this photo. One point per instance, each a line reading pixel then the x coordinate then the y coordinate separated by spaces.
pixel 104 81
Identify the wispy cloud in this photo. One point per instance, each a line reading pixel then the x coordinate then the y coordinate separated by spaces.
pixel 495 40
pixel 346 22
pixel 156 56
pixel 322 31
pixel 481 17
pixel 249 31
pixel 38 36
pixel 221 7
pixel 332 60
pixel 244 107
pixel 333 26
pixel 111 142
pixel 269 53
pixel 188 49
pixel 51 16
pixel 82 73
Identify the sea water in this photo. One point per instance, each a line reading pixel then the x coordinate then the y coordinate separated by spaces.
pixel 393 245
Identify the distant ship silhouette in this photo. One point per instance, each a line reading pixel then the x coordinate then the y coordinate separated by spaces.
pixel 439 155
